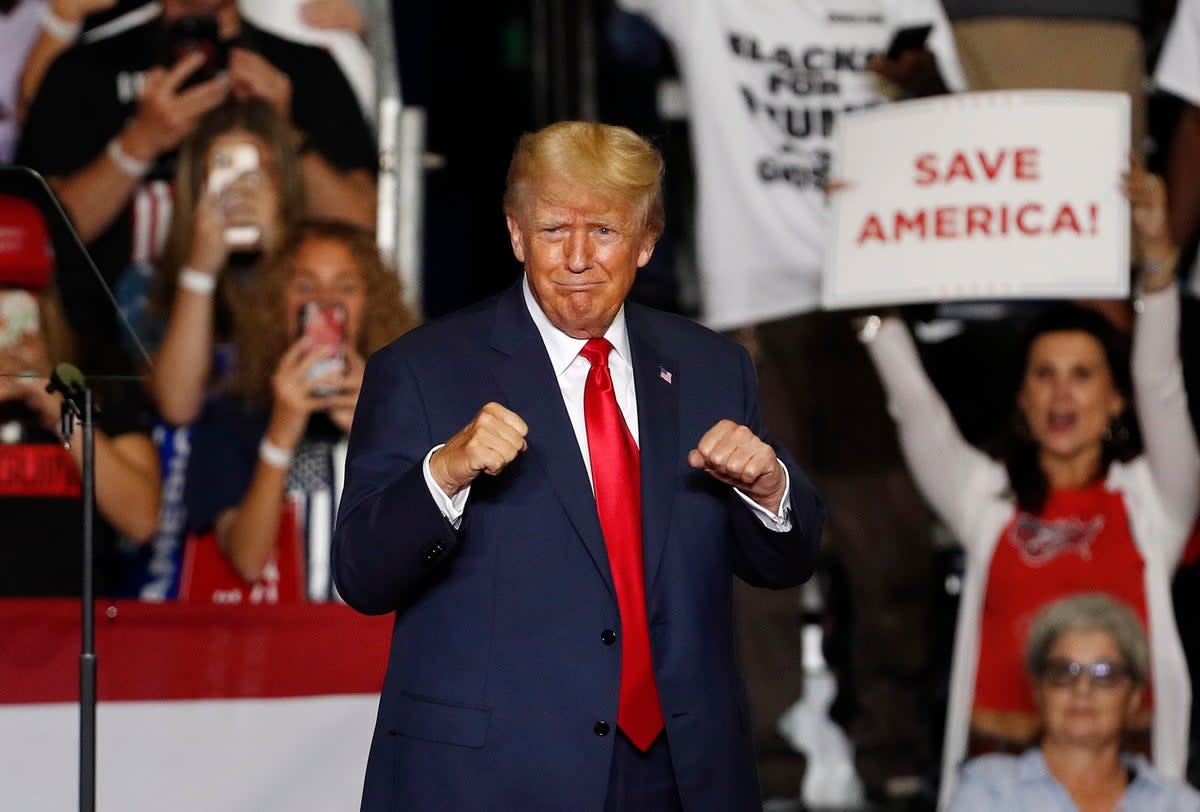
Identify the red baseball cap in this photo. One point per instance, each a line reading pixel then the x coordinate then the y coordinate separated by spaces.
pixel 26 255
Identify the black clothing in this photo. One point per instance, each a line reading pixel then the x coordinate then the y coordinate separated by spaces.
pixel 41 512
pixel 92 90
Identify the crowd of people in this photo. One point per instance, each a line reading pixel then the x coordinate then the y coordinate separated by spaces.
pixel 222 175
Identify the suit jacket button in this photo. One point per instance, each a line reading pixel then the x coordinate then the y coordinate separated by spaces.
pixel 601 728
pixel 608 637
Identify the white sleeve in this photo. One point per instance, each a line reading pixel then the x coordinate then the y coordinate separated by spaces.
pixel 1178 70
pixel 668 16
pixel 1162 407
pixel 943 464
pixel 452 507
pixel 941 38
pixel 780 522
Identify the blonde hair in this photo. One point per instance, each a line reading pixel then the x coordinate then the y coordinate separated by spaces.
pixel 252 115
pixel 261 329
pixel 613 162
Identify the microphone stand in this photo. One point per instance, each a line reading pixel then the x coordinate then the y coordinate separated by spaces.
pixel 77 405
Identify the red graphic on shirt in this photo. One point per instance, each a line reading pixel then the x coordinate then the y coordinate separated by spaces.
pixel 1039 541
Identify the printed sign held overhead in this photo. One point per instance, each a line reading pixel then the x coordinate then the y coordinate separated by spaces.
pixel 981 196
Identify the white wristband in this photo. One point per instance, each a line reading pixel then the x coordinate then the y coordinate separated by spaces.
pixel 197 281
pixel 129 165
pixel 59 28
pixel 272 454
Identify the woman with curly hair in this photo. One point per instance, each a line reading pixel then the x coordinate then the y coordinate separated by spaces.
pixel 267 457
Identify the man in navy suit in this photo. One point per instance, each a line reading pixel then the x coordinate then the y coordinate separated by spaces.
pixel 551 491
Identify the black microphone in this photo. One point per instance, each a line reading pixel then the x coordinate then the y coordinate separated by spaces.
pixel 67 379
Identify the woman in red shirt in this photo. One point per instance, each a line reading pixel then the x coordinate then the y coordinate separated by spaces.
pixel 1070 508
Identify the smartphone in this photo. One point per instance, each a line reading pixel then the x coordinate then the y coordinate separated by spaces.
pixel 325 326
pixel 911 38
pixel 18 318
pixel 196 34
pixel 226 164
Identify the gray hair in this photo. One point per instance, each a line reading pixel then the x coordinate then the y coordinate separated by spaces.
pixel 1089 612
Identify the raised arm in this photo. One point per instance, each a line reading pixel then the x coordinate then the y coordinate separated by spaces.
pixel 183 362
pixel 1162 408
pixel 96 194
pixel 942 462
pixel 1167 432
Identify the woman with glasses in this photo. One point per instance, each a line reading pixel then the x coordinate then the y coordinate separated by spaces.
pixel 1089 663
pixel 1071 506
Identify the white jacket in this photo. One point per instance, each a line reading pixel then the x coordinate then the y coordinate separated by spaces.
pixel 970 492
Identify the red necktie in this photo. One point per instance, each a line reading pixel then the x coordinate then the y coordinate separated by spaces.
pixel 616 477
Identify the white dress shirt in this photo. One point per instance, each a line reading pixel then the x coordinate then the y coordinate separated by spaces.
pixel 571 369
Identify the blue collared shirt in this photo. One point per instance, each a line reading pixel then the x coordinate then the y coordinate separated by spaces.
pixel 1000 783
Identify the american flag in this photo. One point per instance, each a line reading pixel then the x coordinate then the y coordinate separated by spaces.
pixel 662 373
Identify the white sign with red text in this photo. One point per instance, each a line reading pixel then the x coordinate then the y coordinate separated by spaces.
pixel 981 196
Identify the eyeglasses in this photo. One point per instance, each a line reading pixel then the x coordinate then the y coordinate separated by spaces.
pixel 1066 673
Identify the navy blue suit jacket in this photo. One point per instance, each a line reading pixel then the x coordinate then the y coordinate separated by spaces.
pixel 498 673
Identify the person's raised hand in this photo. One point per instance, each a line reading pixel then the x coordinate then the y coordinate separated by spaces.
pixel 1148 203
pixel 295 391
pixel 342 403
pixel 915 70
pixel 251 75
pixel 733 454
pixel 253 199
pixel 165 114
pixel 486 445
pixel 208 251
pixel 332 15
pixel 26 369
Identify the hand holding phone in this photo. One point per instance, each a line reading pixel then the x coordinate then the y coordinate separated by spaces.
pixel 196 34
pixel 324 325
pixel 910 38
pixel 228 163
pixel 22 352
pixel 909 65
pixel 18 319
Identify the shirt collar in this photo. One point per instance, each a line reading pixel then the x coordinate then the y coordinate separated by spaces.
pixel 562 348
pixel 1143 771
pixel 1031 767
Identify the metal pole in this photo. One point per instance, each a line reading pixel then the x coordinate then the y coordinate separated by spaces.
pixel 387 216
pixel 87 655
pixel 401 183
pixel 411 200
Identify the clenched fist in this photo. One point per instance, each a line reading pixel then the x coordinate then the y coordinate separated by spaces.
pixel 736 456
pixel 487 445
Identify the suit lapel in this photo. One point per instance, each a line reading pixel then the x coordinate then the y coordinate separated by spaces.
pixel 523 371
pixel 658 436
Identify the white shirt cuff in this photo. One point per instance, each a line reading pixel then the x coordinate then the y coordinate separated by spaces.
pixel 780 522
pixel 452 507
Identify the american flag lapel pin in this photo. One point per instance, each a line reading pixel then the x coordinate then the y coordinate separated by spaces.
pixel 664 374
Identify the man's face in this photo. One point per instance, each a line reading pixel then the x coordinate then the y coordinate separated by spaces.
pixel 581 254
